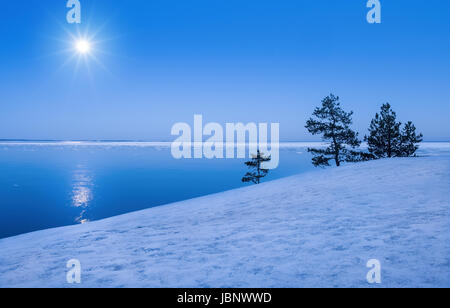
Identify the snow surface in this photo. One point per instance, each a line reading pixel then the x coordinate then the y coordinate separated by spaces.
pixel 317 229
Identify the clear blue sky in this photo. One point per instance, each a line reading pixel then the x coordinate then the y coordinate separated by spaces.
pixel 163 61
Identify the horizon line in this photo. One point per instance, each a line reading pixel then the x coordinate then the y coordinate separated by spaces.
pixel 157 141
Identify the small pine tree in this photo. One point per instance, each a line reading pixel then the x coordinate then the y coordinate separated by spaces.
pixel 410 140
pixel 257 171
pixel 333 124
pixel 384 138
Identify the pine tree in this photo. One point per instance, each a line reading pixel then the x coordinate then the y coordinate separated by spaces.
pixel 384 138
pixel 333 124
pixel 410 140
pixel 257 171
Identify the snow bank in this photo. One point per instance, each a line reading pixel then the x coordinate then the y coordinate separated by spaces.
pixel 312 230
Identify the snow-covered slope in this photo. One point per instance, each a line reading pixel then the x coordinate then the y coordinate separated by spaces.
pixel 312 230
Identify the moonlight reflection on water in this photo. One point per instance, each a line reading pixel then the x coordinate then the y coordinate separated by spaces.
pixel 82 191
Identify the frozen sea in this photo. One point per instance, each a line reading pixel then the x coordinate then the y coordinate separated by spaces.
pixel 52 184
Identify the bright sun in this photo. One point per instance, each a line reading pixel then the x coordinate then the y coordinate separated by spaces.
pixel 83 46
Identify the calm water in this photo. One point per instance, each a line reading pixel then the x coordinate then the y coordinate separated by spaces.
pixel 44 186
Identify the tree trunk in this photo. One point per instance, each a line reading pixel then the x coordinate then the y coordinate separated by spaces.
pixel 336 153
pixel 259 168
pixel 389 146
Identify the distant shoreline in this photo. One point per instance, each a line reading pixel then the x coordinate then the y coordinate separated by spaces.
pixel 293 144
pixel 153 141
